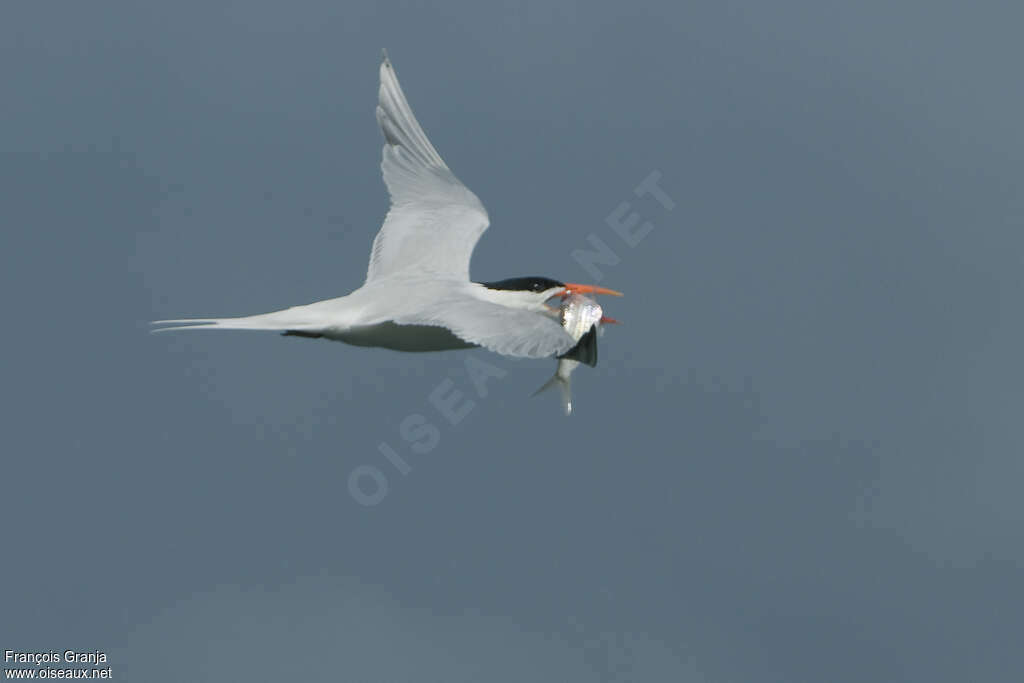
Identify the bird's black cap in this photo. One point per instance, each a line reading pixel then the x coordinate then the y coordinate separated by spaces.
pixel 524 284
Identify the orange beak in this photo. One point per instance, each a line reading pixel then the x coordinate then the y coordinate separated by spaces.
pixel 573 288
pixel 605 320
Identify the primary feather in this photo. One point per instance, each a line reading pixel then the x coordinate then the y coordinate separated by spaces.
pixel 434 221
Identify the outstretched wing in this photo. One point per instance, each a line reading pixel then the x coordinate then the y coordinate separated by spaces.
pixel 434 221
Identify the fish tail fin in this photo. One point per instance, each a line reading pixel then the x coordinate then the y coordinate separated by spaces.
pixel 564 388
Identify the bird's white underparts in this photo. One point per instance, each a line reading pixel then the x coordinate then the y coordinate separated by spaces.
pixel 417 295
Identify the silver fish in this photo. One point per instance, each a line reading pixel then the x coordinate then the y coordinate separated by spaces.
pixel 580 316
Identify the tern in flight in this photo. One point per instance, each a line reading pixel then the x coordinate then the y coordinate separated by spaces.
pixel 418 295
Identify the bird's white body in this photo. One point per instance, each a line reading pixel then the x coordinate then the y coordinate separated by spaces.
pixel 416 313
pixel 417 295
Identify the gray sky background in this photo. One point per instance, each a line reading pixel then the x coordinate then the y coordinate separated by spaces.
pixel 799 459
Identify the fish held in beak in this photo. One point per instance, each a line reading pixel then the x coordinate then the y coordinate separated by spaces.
pixel 581 317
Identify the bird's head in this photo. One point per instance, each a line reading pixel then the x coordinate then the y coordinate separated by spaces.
pixel 534 292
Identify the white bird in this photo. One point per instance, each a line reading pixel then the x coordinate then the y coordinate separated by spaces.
pixel 418 295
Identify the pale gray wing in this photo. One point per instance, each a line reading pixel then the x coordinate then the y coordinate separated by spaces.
pixel 504 330
pixel 434 221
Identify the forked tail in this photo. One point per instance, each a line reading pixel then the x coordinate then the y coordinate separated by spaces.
pixel 288 319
